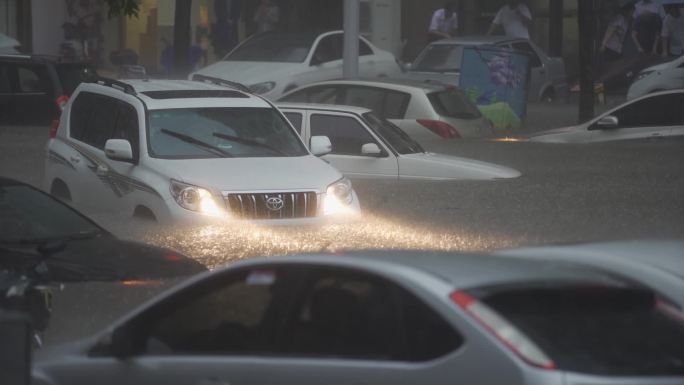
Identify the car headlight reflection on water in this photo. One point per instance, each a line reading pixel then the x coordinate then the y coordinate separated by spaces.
pixel 339 198
pixel 196 199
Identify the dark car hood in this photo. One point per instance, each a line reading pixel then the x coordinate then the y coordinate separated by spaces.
pixel 105 259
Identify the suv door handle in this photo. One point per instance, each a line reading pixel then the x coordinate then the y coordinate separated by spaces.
pixel 102 170
pixel 74 159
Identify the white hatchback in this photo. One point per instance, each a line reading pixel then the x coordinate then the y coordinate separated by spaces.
pixel 188 151
pixel 273 63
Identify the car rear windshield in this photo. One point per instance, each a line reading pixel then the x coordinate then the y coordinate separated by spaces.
pixel 598 330
pixel 73 74
pixel 393 135
pixel 271 47
pixel 439 58
pixel 453 104
pixel 225 132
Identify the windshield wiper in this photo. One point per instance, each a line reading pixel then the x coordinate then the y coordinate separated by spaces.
pixel 189 139
pixel 248 142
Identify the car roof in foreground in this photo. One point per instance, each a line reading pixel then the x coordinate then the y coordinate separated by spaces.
pixel 323 107
pixel 463 271
pixel 170 94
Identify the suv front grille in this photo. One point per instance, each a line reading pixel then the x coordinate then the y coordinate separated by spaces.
pixel 273 205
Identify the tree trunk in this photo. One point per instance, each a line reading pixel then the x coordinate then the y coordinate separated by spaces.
pixel 587 48
pixel 181 39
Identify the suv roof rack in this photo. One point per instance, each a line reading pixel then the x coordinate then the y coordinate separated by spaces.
pixel 125 87
pixel 221 82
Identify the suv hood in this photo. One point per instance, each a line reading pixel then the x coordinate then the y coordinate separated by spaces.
pixel 252 174
pixel 248 72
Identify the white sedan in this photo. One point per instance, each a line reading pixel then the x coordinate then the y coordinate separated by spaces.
pixel 366 146
pixel 654 116
pixel 661 77
pixel 273 63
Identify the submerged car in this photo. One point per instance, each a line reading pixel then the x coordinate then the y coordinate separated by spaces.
pixel 35 226
pixel 189 152
pixel 426 112
pixel 386 318
pixel 656 116
pixel 661 77
pixel 441 62
pixel 367 146
pixel 273 63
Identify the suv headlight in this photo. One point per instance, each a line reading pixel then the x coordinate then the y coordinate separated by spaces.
pixel 196 199
pixel 339 197
pixel 262 88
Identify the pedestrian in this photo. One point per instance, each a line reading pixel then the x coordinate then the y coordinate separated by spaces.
pixel 648 24
pixel 267 16
pixel 515 18
pixel 616 33
pixel 673 31
pixel 444 23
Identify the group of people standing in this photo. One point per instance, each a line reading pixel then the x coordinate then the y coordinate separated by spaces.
pixel 645 27
pixel 514 18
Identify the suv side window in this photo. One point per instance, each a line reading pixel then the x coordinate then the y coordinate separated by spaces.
pixel 346 134
pixel 535 61
pixel 385 103
pixel 237 313
pixel 93 118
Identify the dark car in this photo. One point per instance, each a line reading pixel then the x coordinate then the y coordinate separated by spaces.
pixel 35 225
pixel 34 88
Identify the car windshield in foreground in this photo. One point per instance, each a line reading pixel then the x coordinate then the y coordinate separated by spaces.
pixel 271 47
pixel 453 104
pixel 29 216
pixel 439 58
pixel 393 135
pixel 195 133
pixel 598 330
pixel 73 74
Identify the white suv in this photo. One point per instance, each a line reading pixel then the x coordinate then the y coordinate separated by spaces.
pixel 186 151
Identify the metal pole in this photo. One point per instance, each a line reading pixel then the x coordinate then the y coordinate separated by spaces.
pixel 587 38
pixel 556 28
pixel 351 39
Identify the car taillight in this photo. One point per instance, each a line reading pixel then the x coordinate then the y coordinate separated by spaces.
pixel 503 330
pixel 61 102
pixel 54 125
pixel 444 130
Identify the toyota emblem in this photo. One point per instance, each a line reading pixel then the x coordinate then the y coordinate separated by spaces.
pixel 275 203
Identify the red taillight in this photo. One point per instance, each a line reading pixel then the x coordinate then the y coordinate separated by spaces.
pixel 444 130
pixel 503 330
pixel 54 125
pixel 171 258
pixel 61 102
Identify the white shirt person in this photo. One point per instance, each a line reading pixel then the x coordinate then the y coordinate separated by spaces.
pixel 444 23
pixel 515 18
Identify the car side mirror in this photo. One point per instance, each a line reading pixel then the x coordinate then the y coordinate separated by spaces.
pixel 320 145
pixel 608 122
pixel 119 149
pixel 371 149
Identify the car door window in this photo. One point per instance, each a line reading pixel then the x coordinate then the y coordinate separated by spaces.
pixel 535 61
pixel 660 110
pixel 32 79
pixel 296 119
pixel 93 118
pixel 346 314
pixel 127 126
pixel 319 95
pixel 234 314
pixel 346 134
pixel 330 48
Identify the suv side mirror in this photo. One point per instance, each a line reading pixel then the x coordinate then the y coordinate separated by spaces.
pixel 371 149
pixel 320 145
pixel 119 149
pixel 608 122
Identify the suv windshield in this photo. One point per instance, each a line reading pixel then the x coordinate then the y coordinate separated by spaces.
pixel 29 215
pixel 73 74
pixel 454 104
pixel 392 134
pixel 439 58
pixel 194 133
pixel 597 330
pixel 271 47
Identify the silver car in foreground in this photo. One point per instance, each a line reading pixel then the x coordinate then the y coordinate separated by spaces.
pixel 441 62
pixel 387 318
